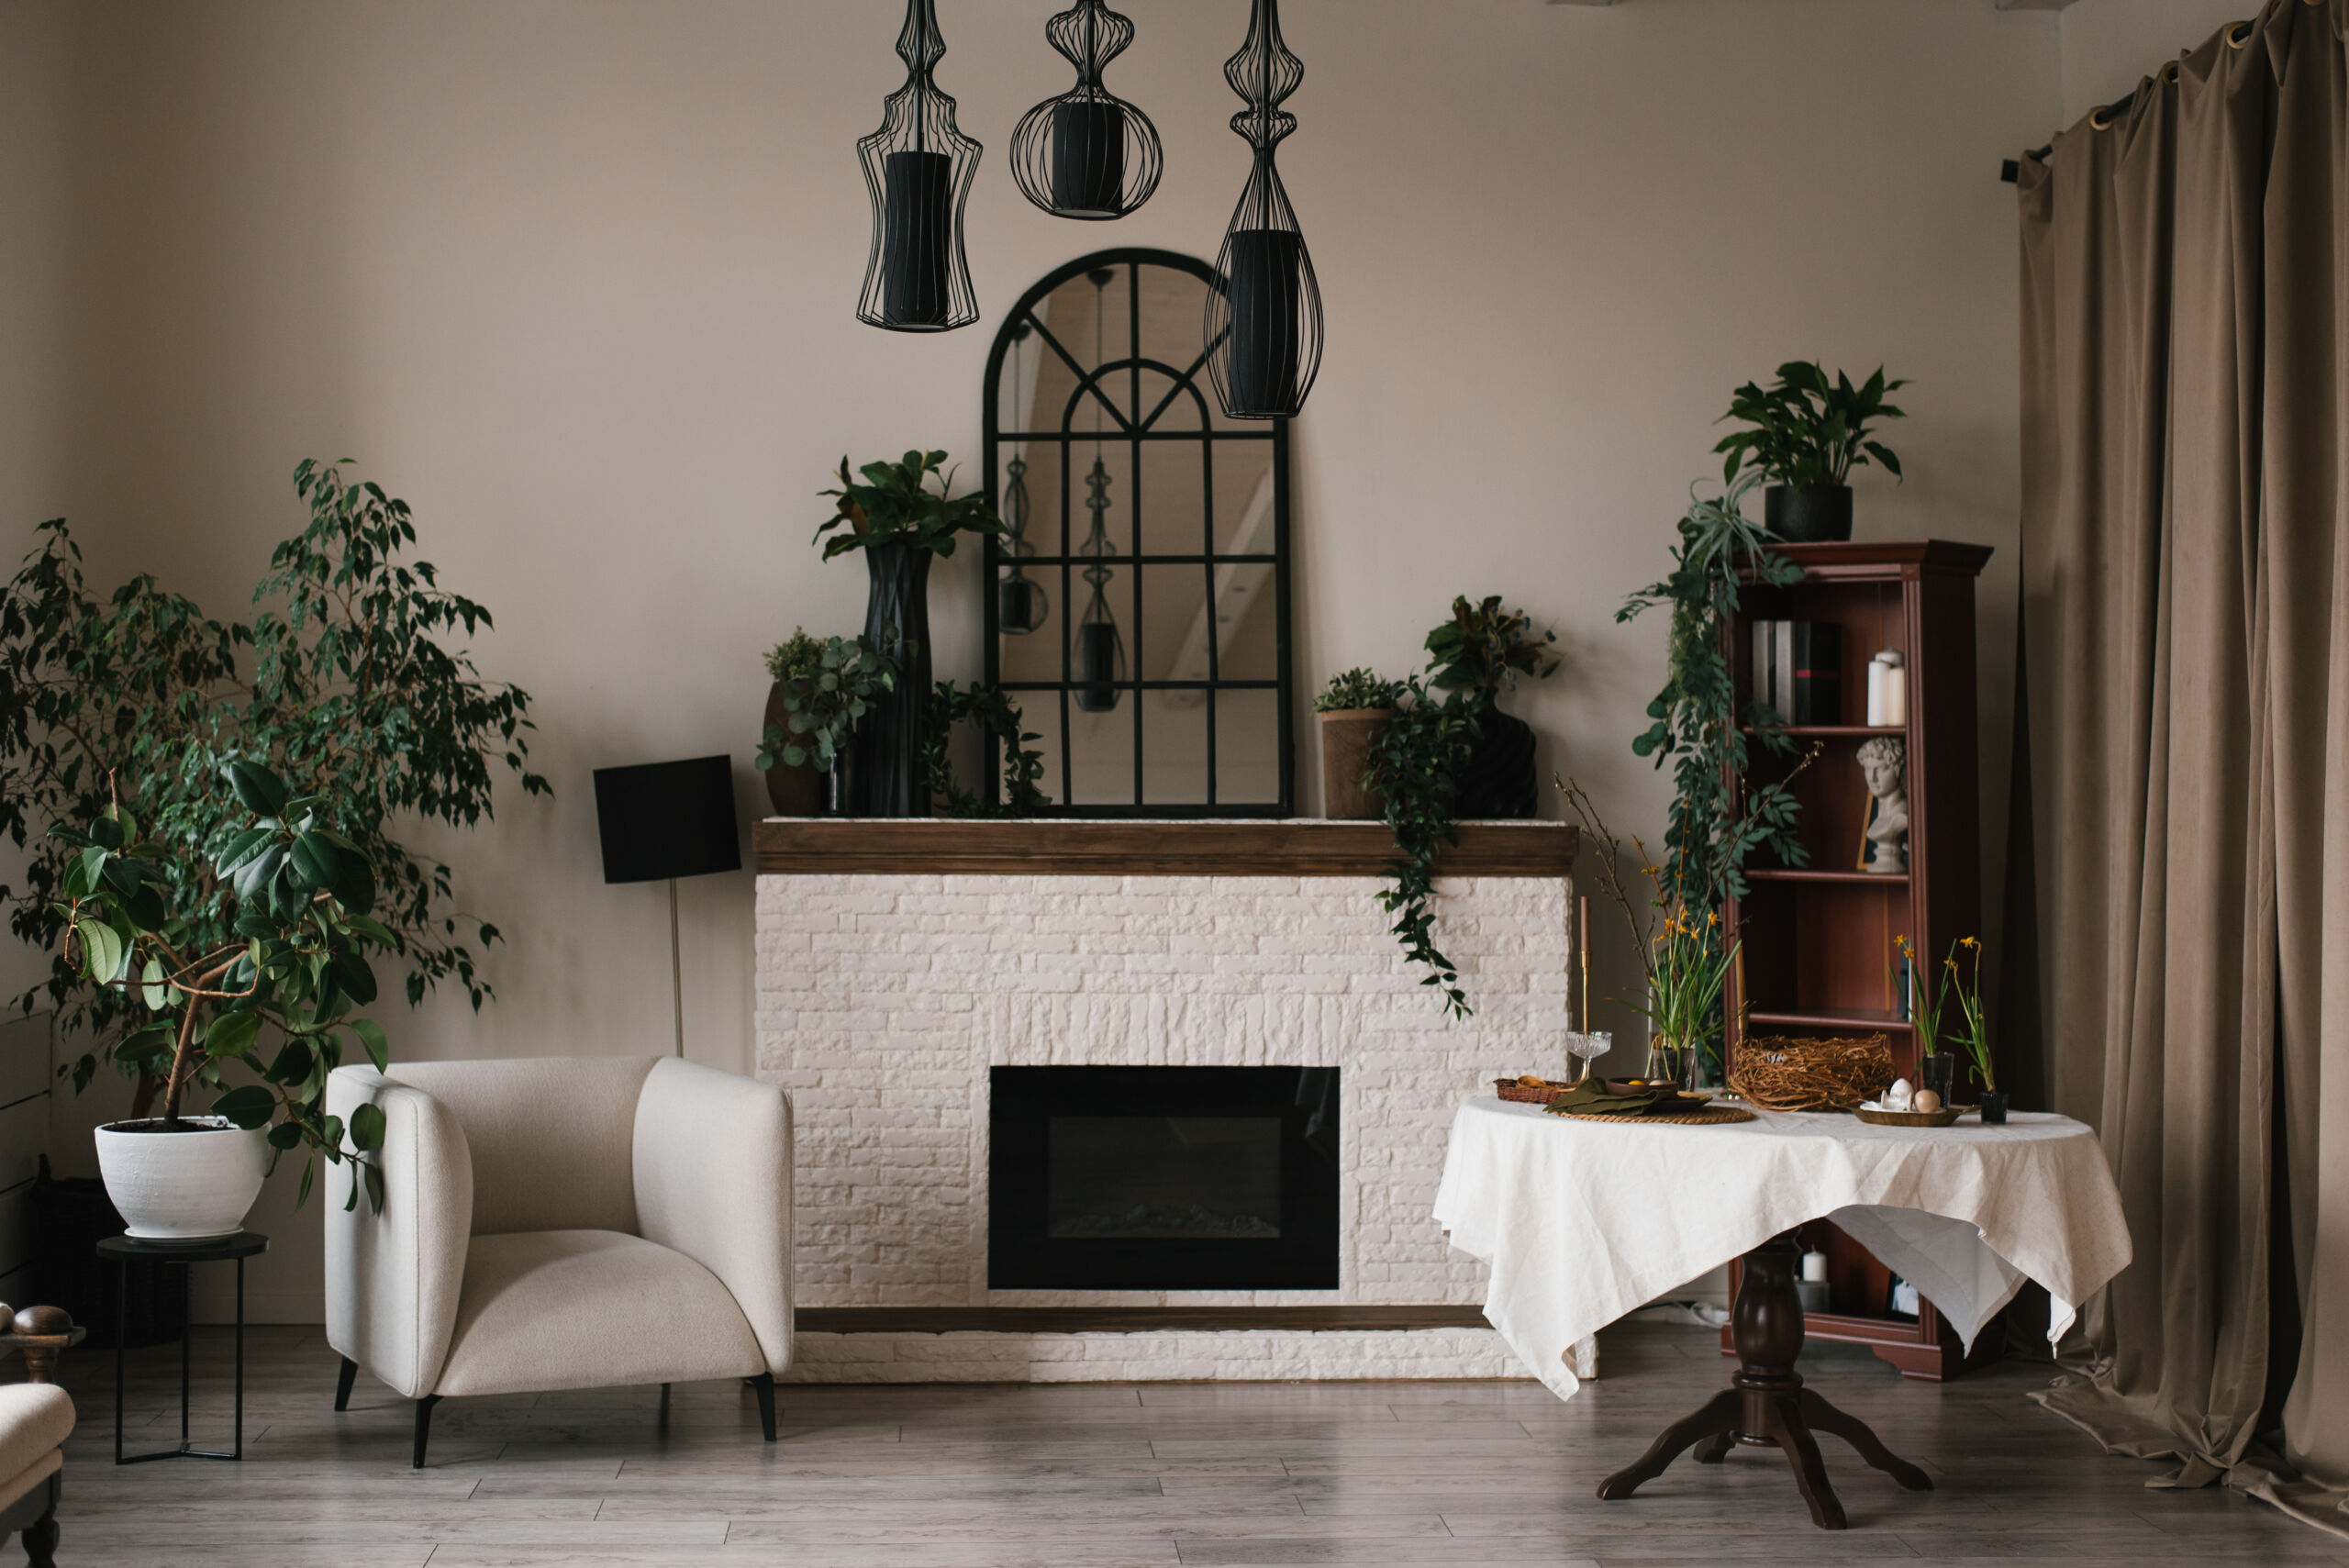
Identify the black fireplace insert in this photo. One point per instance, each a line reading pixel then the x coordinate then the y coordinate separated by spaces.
pixel 1162 1178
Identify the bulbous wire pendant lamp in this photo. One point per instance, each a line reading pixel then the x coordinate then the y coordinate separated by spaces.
pixel 1264 325
pixel 919 168
pixel 1088 153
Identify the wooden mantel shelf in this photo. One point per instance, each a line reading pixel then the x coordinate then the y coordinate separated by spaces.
pixel 1043 847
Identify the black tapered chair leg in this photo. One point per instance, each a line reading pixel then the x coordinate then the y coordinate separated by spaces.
pixel 342 1382
pixel 423 1428
pixel 39 1538
pixel 764 1386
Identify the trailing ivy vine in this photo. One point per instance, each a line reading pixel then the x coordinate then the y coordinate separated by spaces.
pixel 998 717
pixel 1699 724
pixel 1414 771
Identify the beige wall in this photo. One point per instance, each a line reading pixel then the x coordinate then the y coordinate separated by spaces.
pixel 2109 45
pixel 576 279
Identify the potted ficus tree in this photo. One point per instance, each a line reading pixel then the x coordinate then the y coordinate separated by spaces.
pixel 1807 434
pixel 902 525
pixel 292 958
pixel 822 691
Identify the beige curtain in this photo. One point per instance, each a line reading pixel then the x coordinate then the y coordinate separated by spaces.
pixel 2185 579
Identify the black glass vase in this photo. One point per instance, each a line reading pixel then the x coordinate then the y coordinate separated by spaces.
pixel 1497 782
pixel 889 778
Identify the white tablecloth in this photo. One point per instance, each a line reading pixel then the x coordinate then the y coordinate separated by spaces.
pixel 1583 1221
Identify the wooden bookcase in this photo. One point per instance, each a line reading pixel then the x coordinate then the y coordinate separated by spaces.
pixel 1819 958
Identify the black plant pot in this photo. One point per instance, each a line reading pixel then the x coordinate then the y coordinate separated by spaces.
pixel 887 778
pixel 1994 1107
pixel 1818 515
pixel 1498 780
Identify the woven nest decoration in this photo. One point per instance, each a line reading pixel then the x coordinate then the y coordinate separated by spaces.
pixel 1780 1073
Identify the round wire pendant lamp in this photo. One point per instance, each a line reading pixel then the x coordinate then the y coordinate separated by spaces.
pixel 919 168
pixel 1264 323
pixel 1088 153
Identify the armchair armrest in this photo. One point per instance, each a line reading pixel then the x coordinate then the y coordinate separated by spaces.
pixel 712 1163
pixel 393 1278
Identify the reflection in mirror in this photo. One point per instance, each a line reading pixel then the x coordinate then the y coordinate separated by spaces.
pixel 1140 614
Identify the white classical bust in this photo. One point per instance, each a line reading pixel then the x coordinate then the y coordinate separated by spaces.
pixel 1884 763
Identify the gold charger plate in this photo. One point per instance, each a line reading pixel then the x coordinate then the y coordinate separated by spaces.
pixel 1942 1117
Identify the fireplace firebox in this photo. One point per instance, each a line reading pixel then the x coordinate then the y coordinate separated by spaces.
pixel 1162 1178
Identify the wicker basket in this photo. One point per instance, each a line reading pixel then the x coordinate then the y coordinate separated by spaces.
pixel 1786 1074
pixel 1530 1091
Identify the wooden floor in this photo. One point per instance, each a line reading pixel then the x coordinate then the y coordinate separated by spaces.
pixel 1104 1476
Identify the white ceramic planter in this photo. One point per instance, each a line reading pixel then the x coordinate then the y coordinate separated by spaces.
pixel 178 1186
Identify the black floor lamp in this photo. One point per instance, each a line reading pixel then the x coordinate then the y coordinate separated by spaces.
pixel 665 820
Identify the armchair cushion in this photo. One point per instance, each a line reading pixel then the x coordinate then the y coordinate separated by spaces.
pixel 35 1420
pixel 553 1309
pixel 550 1138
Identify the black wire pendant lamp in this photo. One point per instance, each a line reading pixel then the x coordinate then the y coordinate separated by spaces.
pixel 1021 605
pixel 919 168
pixel 1264 326
pixel 1100 647
pixel 1088 153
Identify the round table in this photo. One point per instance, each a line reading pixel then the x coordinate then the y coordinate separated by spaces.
pixel 124 1251
pixel 1583 1221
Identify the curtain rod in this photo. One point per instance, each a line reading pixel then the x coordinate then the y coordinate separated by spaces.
pixel 2012 170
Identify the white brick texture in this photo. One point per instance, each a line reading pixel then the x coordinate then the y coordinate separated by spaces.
pixel 884 999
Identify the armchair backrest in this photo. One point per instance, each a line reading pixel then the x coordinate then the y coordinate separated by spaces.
pixel 551 1137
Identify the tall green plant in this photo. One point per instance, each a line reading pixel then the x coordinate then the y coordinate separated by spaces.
pixel 352 695
pixel 1806 430
pixel 1716 820
pixel 895 506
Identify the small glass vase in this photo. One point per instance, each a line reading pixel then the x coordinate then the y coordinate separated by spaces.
pixel 1669 1062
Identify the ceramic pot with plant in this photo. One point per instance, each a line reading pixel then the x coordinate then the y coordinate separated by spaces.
pixel 1353 708
pixel 1479 653
pixel 823 690
pixel 902 525
pixel 293 959
pixel 1807 433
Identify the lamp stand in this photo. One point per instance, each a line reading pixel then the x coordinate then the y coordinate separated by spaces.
pixel 676 970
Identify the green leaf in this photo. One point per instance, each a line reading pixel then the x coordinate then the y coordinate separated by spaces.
pixel 366 1127
pixel 230 1034
pixel 371 1035
pixel 284 1135
pixel 248 1106
pixel 315 861
pixel 151 989
pixel 301 1191
pixel 258 789
pixel 102 951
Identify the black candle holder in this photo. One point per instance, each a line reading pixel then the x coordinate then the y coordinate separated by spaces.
pixel 1087 154
pixel 919 168
pixel 1263 321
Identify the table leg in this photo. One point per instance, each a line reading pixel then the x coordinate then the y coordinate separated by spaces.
pixel 187 1336
pixel 121 1333
pixel 1766 1405
pixel 240 1451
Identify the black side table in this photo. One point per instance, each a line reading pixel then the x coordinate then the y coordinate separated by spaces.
pixel 121 1251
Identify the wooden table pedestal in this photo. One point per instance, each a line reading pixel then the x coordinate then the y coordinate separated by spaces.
pixel 1766 1405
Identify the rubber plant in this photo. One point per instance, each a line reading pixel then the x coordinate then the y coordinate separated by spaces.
pixel 137 918
pixel 1698 726
pixel 346 684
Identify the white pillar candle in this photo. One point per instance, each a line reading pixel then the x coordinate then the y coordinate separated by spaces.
pixel 1814 1267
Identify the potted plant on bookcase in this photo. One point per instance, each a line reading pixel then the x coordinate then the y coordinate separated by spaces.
pixel 1808 433
pixel 902 525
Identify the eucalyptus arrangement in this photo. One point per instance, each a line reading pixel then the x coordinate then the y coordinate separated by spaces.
pixel 902 524
pixel 998 719
pixel 827 686
pixel 1806 433
pixel 345 687
pixel 295 893
pixel 1719 819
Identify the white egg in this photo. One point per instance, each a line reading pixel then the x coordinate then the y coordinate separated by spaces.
pixel 1898 1097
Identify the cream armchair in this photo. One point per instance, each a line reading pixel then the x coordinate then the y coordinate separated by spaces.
pixel 563 1223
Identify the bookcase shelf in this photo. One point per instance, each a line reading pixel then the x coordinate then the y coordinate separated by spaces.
pixel 1818 955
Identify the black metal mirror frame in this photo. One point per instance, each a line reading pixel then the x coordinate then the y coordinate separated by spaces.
pixel 1192 380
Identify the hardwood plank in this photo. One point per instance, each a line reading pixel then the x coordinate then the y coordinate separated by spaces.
pixel 1047 846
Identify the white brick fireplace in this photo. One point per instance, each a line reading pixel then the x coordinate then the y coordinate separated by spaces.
pixel 897 961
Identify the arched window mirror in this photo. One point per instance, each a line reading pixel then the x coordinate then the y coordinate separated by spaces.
pixel 1139 611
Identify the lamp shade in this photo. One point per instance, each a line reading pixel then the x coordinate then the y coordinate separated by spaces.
pixel 667 820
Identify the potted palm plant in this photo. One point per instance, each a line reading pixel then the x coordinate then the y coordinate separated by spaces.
pixel 1354 707
pixel 902 525
pixel 1807 434
pixel 291 960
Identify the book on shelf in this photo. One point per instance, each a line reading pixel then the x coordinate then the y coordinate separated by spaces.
pixel 1798 670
